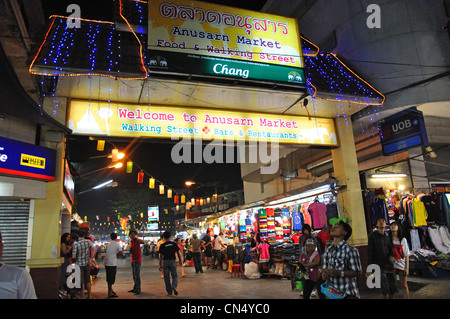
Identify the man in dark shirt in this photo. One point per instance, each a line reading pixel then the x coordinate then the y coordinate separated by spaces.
pixel 167 263
pixel 207 246
pixel 379 252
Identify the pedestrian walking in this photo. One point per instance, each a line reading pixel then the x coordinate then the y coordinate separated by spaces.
pixel 196 245
pixel 83 252
pixel 380 252
pixel 217 251
pixel 66 252
pixel 401 253
pixel 311 262
pixel 341 262
pixel 16 283
pixel 180 261
pixel 167 252
pixel 207 246
pixel 136 261
pixel 113 250
pixel 161 241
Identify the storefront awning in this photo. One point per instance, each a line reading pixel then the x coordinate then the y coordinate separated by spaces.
pixel 281 199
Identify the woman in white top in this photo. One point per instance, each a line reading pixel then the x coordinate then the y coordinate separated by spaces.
pixel 401 253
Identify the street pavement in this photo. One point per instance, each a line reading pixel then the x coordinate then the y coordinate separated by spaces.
pixel 218 284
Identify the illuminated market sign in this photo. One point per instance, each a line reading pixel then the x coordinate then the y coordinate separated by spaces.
pixel 194 37
pixel 128 120
pixel 28 160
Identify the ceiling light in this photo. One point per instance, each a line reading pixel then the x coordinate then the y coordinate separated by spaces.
pixel 388 175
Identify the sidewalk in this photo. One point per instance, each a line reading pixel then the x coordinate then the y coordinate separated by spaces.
pixel 218 284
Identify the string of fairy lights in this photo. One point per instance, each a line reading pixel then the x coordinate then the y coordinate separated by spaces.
pixel 163 188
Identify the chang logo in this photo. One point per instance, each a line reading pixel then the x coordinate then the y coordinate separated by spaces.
pixel 224 69
pixel 294 76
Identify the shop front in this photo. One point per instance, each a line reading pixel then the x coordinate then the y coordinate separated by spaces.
pixel 268 233
pixel 422 213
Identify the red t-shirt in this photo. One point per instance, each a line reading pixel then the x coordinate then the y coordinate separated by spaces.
pixel 324 235
pixel 135 247
pixel 296 238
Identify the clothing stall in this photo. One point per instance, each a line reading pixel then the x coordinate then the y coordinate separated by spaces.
pixel 279 227
pixel 424 218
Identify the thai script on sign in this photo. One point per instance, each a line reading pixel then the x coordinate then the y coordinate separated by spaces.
pixel 173 11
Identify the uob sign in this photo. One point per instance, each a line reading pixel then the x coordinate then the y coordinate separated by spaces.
pixel 403 130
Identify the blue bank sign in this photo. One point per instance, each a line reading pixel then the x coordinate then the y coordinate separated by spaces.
pixel 27 160
pixel 402 131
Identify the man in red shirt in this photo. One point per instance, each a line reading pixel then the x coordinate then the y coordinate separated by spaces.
pixel 136 260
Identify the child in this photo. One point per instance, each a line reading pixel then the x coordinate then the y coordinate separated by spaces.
pixel 401 252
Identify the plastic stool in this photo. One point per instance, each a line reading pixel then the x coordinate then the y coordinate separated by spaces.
pixel 236 269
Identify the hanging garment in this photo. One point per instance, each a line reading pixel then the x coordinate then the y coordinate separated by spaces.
pixel 415 240
pixel 446 208
pixel 319 214
pixel 307 218
pixel 437 241
pixel 264 250
pixel 445 236
pixel 332 211
pixel 378 209
pixel 419 213
pixel 297 220
pixel 432 207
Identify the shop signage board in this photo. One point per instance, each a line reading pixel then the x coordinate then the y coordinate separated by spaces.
pixel 69 184
pixel 194 37
pixel 440 187
pixel 402 131
pixel 27 160
pixel 131 120
pixel 153 214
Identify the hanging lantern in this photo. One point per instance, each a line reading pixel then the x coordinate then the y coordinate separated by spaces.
pixel 100 145
pixel 197 202
pixel 208 200
pixel 188 205
pixel 215 197
pixel 107 218
pixel 129 167
pixel 151 183
pixel 201 201
pixel 169 193
pixel 192 201
pixel 183 199
pixel 161 189
pixel 115 155
pixel 142 215
pixel 177 207
pixel 140 178
pixel 176 199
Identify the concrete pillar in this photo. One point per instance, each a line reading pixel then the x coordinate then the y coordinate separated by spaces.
pixel 349 198
pixel 45 261
pixel 419 170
